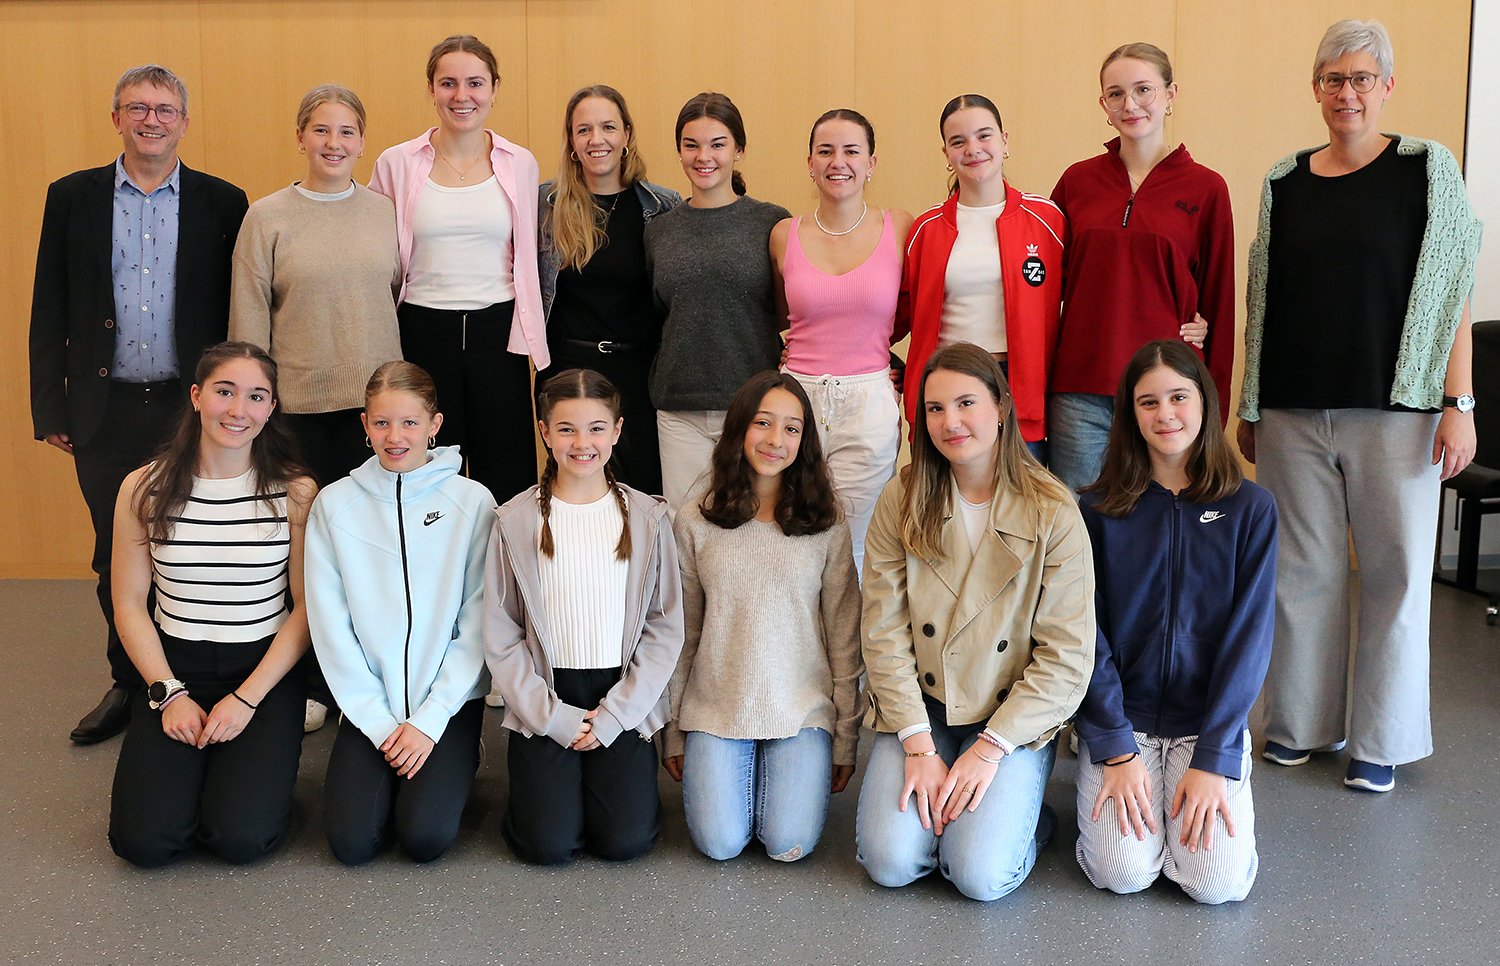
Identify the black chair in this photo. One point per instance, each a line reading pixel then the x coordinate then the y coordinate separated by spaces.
pixel 1477 488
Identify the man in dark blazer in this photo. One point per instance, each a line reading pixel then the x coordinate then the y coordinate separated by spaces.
pixel 132 284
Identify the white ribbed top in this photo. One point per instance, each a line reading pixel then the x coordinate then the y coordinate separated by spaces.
pixel 583 585
pixel 973 299
pixel 221 574
pixel 462 247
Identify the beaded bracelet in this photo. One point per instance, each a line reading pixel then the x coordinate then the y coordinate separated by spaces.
pixel 1123 761
pixel 236 696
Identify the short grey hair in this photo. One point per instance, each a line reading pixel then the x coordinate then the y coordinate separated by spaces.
pixel 1356 36
pixel 157 76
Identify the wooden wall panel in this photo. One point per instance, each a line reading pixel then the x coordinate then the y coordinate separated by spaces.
pixel 1243 70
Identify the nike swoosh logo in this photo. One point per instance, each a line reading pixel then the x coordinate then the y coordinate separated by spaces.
pixel 432 518
pixel 1209 516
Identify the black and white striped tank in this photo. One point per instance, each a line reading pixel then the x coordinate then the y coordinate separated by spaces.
pixel 221 575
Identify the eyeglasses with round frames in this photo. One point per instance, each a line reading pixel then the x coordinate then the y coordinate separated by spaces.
pixel 165 113
pixel 1143 95
pixel 1362 81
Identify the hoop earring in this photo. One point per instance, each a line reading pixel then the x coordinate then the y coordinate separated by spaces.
pixel 1110 121
pixel 625 152
pixel 1169 110
pixel 573 155
pixel 368 444
pixel 432 442
pixel 950 165
pixel 1005 156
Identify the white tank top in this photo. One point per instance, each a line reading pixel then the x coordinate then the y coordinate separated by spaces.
pixel 461 247
pixel 973 299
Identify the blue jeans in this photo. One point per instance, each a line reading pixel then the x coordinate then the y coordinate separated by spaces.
pixel 1077 434
pixel 775 789
pixel 986 853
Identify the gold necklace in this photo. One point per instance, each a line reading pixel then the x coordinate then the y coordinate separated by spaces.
pixel 464 174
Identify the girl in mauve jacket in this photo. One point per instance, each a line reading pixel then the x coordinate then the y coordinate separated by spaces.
pixel 582 628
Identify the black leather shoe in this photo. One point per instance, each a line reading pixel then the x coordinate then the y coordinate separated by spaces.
pixel 107 720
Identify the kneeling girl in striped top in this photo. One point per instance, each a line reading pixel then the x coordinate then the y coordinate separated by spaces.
pixel 214 526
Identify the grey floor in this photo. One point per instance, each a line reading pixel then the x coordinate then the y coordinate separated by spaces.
pixel 1408 877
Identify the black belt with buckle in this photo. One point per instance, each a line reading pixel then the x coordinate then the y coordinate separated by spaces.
pixel 607 347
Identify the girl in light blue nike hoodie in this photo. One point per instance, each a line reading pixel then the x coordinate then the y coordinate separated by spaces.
pixel 395 563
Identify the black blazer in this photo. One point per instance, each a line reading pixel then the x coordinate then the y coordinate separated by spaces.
pixel 73 306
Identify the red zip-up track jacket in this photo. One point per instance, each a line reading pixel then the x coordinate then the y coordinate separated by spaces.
pixel 1031 230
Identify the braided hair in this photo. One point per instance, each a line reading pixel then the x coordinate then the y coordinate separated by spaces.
pixel 578 384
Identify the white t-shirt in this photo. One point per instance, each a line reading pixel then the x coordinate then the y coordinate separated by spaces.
pixel 976 517
pixel 462 247
pixel 973 298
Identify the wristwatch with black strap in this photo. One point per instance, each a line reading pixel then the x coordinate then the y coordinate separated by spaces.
pixel 1463 403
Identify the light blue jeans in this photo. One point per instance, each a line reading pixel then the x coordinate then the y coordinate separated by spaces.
pixel 775 790
pixel 1077 434
pixel 986 853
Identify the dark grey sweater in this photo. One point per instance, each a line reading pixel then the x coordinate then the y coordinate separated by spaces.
pixel 711 278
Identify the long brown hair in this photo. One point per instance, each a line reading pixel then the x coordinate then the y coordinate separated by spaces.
pixel 169 480
pixel 579 384
pixel 1213 471
pixel 929 488
pixel 717 107
pixel 577 220
pixel 807 503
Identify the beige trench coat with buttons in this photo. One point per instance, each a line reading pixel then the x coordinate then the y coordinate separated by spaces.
pixel 1004 634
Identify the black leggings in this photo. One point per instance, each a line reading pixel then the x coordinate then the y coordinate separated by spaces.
pixel 235 797
pixel 484 390
pixel 365 801
pixel 562 801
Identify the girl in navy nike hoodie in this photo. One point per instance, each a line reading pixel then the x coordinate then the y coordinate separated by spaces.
pixel 395 583
pixel 1185 560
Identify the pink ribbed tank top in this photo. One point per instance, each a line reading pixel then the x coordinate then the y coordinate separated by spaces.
pixel 841 324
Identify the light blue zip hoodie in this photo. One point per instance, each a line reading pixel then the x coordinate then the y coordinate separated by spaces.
pixel 394 579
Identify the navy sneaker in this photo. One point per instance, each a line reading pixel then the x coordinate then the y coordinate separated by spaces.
pixel 1367 776
pixel 1282 755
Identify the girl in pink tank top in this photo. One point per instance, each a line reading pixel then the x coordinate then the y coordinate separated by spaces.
pixel 838 275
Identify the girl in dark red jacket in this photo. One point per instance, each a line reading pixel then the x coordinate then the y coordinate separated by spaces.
pixel 1185 573
pixel 985 267
pixel 1150 246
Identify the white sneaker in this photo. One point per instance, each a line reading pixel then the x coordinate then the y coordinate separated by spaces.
pixel 316 714
pixel 494 699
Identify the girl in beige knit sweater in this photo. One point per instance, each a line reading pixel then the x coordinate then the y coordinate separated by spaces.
pixel 765 697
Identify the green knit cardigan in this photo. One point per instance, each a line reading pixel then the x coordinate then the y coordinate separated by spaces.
pixel 1443 282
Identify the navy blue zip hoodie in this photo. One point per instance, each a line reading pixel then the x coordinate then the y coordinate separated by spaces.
pixel 1186 604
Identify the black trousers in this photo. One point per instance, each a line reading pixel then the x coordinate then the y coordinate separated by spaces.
pixel 366 802
pixel 562 801
pixel 141 416
pixel 235 797
pixel 331 444
pixel 637 456
pixel 484 391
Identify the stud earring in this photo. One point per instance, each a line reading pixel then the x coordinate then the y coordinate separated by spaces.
pixel 1005 156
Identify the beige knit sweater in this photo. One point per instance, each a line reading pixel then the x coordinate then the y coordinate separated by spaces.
pixel 314 285
pixel 772 642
